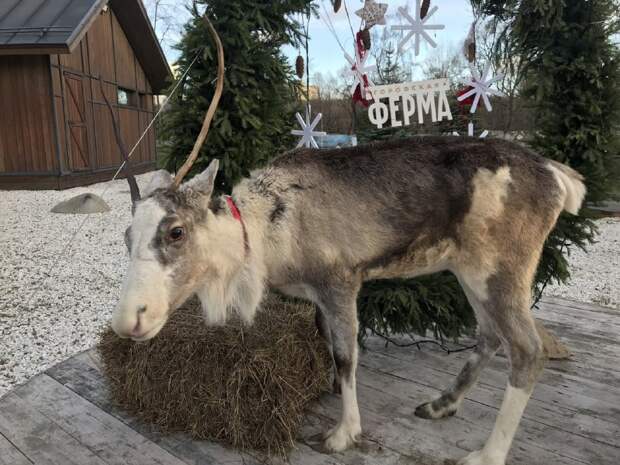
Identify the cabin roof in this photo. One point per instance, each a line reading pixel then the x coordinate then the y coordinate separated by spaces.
pixel 48 27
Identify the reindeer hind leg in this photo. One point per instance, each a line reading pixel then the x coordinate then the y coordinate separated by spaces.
pixel 509 312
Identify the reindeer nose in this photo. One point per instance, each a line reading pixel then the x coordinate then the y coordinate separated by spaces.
pixel 135 332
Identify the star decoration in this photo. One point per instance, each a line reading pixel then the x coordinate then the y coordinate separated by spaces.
pixel 372 13
pixel 417 27
pixel 307 131
pixel 481 87
pixel 359 70
pixel 470 132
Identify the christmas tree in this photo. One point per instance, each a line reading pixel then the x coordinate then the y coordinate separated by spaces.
pixel 255 115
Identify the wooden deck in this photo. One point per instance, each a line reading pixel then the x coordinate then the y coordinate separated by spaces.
pixel 64 416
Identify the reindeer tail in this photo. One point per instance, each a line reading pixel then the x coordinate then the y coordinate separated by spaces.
pixel 572 183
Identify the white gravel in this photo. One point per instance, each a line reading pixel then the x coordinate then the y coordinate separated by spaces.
pixel 595 275
pixel 46 318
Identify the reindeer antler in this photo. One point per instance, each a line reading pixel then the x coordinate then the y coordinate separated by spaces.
pixel 212 107
pixel 131 179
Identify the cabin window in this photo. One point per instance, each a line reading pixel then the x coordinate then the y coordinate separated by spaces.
pixel 127 97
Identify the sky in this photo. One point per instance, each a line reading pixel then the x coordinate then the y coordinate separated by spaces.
pixel 325 53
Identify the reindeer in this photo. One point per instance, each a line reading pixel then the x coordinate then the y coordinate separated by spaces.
pixel 317 224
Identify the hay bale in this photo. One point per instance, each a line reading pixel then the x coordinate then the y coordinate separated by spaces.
pixel 245 386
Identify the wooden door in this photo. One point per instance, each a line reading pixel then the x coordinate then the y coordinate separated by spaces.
pixel 77 129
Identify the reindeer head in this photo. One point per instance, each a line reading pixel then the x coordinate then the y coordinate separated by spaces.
pixel 178 246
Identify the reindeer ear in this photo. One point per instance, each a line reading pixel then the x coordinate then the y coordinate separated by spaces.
pixel 161 180
pixel 204 181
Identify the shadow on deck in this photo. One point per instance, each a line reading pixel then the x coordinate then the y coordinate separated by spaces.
pixel 64 416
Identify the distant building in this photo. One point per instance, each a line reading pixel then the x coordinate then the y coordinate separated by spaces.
pixel 336 141
pixel 314 91
pixel 55 130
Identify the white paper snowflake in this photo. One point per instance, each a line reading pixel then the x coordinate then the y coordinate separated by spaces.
pixel 358 70
pixel 481 87
pixel 417 27
pixel 307 131
pixel 470 132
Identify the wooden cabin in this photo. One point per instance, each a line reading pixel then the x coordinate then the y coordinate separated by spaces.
pixel 55 129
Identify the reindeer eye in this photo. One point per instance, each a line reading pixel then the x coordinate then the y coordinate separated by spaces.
pixel 176 234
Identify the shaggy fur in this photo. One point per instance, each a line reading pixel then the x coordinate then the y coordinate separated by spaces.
pixel 319 223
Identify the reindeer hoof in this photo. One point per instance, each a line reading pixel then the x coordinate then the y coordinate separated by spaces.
pixel 428 412
pixel 341 438
pixel 479 457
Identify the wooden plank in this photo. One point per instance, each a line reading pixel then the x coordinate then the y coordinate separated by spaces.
pixel 110 439
pixel 129 120
pixel 584 321
pixel 40 439
pixel 84 376
pixel 124 57
pixel 554 388
pixel 387 420
pixel 580 306
pixel 26 132
pixel 480 409
pixel 100 47
pixel 11 455
pixel 399 397
pixel 80 375
pixel 55 181
pixel 570 420
pixel 368 451
pixel 74 60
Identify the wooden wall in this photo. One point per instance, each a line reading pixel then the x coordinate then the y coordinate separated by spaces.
pixel 86 134
pixel 27 142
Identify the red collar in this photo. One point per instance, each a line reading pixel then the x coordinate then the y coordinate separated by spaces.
pixel 237 215
pixel 233 208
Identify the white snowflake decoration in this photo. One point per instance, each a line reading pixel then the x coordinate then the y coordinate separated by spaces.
pixel 481 87
pixel 417 27
pixel 358 70
pixel 470 132
pixel 307 131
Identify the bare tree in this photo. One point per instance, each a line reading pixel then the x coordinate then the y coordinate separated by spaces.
pixel 446 62
pixel 393 64
pixel 167 18
pixel 494 48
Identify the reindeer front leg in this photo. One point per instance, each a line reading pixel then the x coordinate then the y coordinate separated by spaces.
pixel 339 307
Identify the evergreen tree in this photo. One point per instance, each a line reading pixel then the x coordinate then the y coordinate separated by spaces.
pixel 255 114
pixel 390 71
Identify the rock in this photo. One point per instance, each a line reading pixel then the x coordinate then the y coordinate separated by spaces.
pixel 83 204
pixel 553 348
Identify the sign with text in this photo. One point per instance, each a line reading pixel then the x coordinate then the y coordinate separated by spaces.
pixel 400 104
